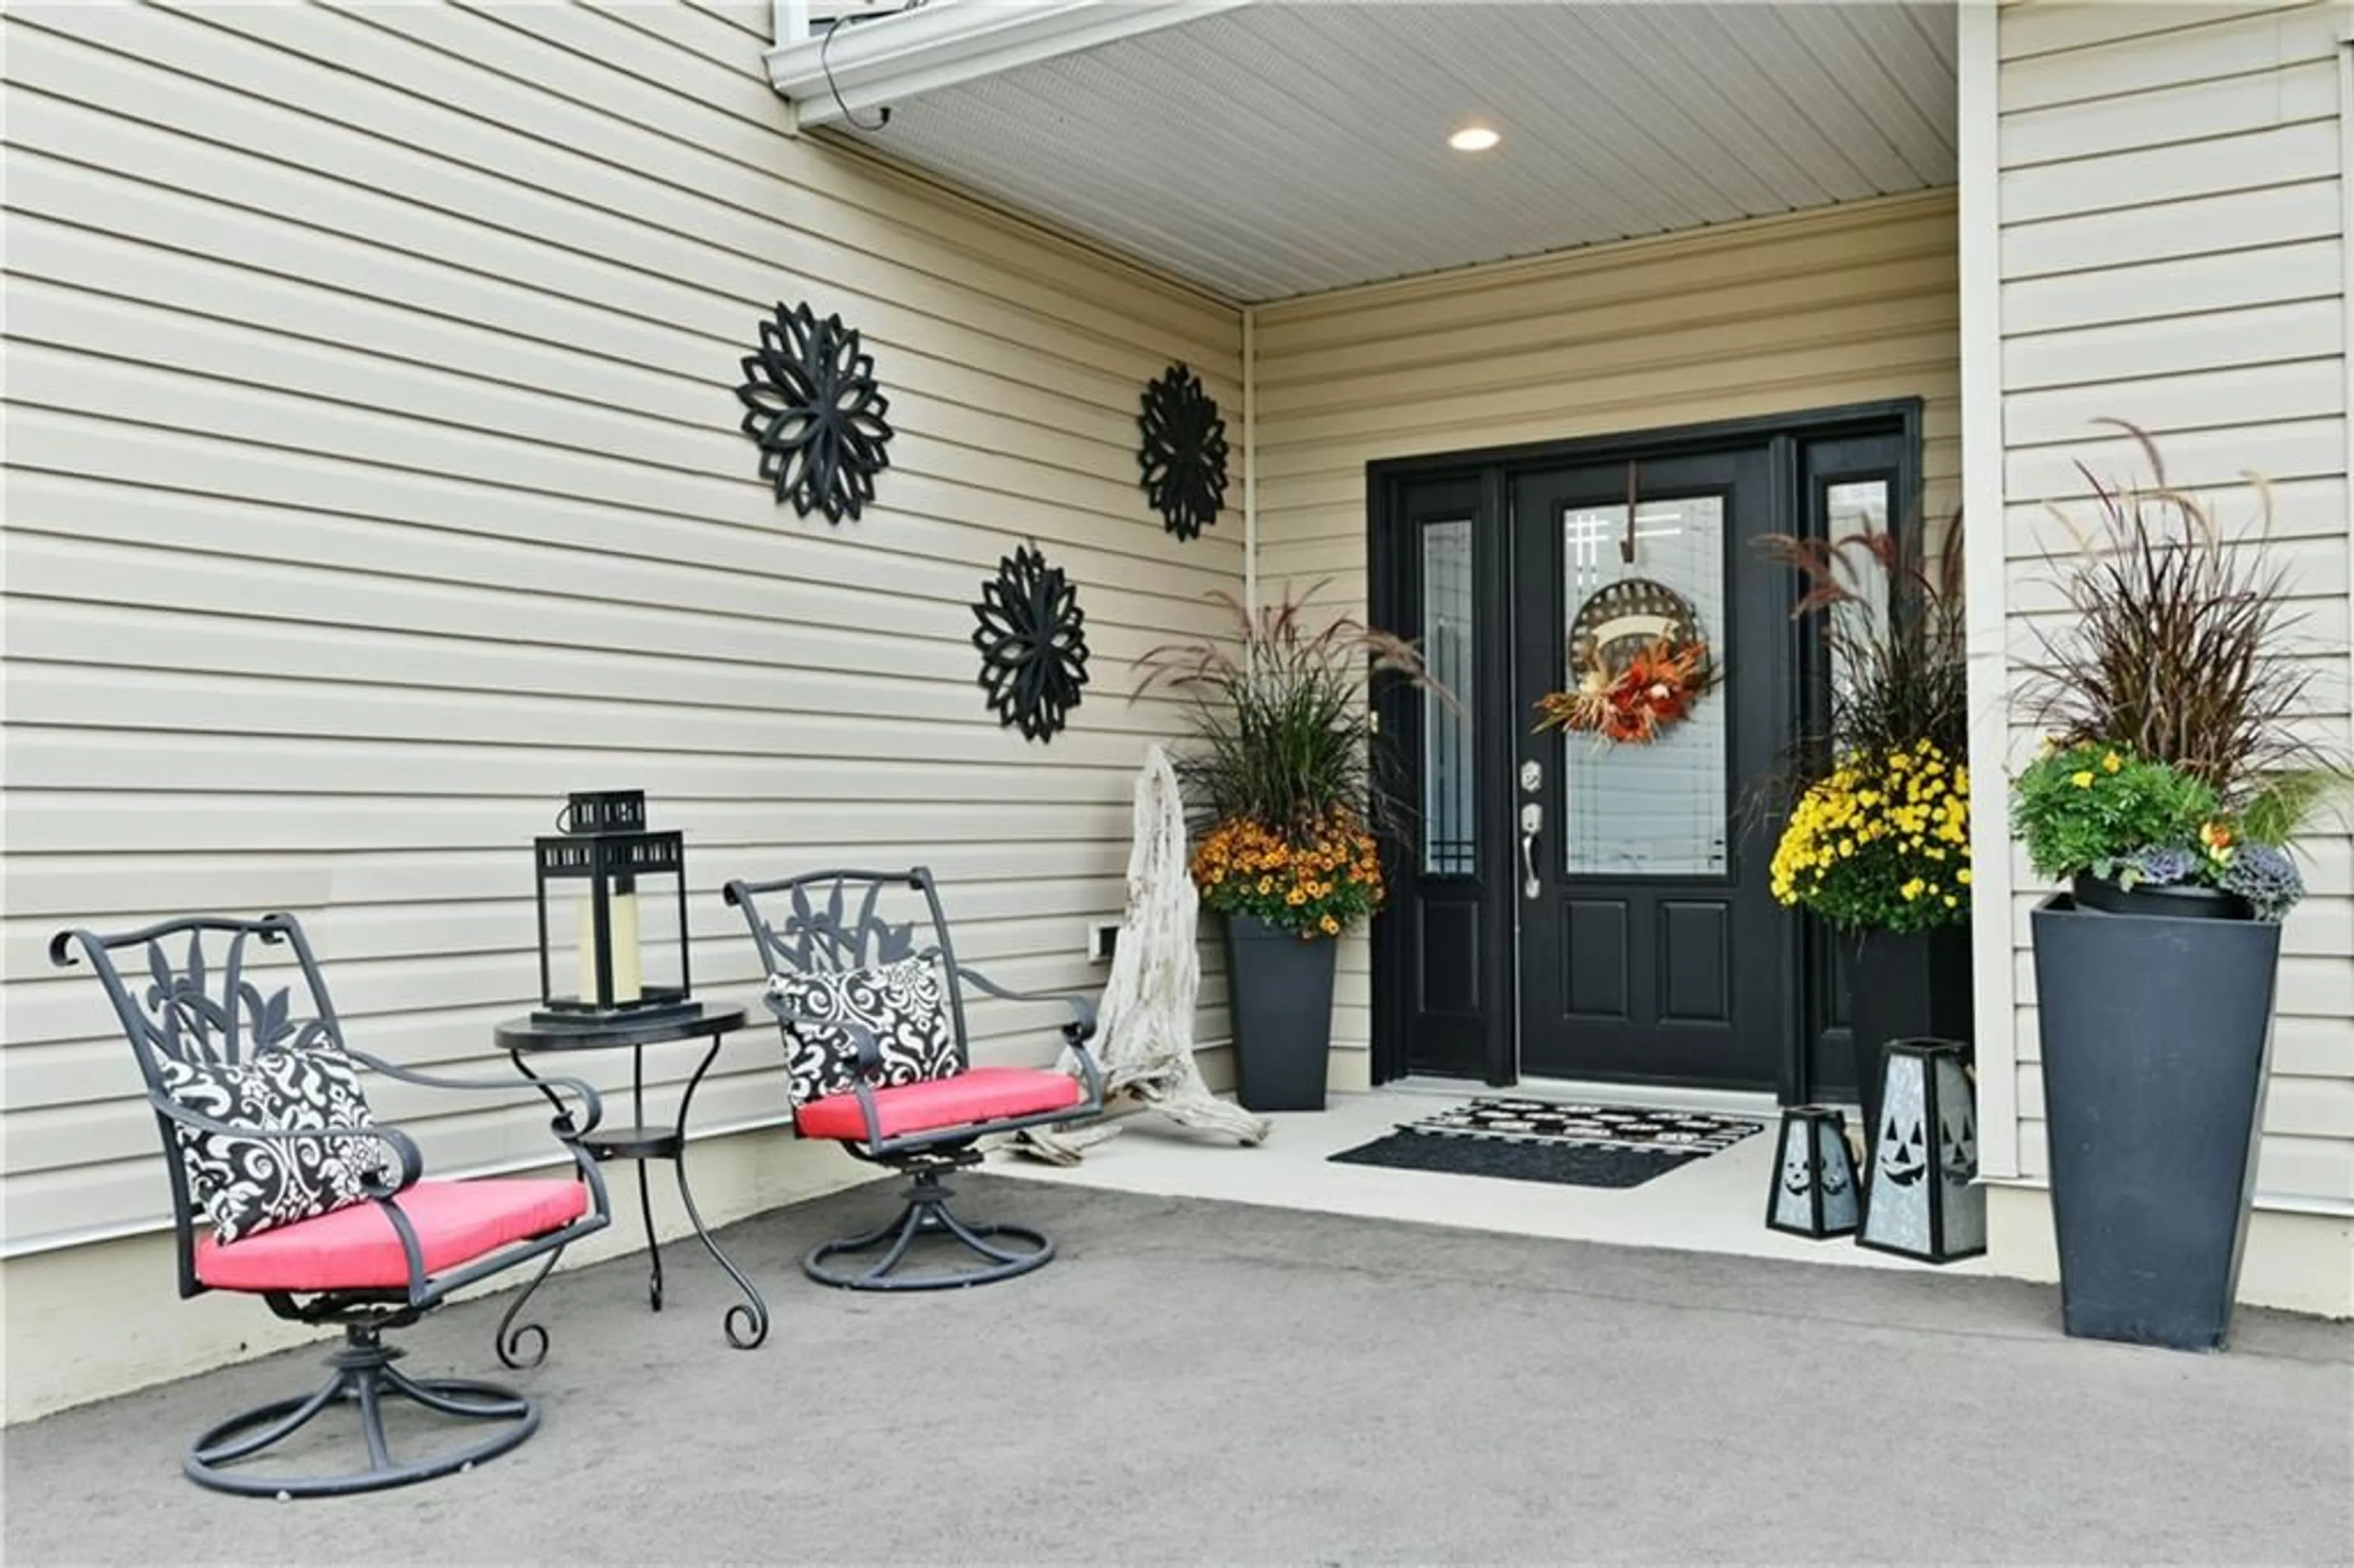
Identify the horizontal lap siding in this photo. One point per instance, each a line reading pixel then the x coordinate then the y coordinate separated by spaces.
pixel 2172 254
pixel 1851 305
pixel 374 480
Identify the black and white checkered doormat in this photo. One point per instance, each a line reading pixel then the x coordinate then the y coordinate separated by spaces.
pixel 1654 1131
pixel 1548 1141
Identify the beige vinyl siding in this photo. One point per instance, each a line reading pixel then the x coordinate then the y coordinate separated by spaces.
pixel 375 479
pixel 2172 254
pixel 1849 305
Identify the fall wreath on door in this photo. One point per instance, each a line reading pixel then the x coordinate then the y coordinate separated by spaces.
pixel 1638 664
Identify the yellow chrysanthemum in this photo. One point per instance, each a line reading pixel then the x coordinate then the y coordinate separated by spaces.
pixel 1845 848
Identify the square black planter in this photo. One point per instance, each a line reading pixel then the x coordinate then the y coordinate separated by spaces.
pixel 1279 987
pixel 2157 1043
pixel 1915 986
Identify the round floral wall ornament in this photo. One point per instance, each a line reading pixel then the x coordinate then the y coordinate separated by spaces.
pixel 1033 644
pixel 811 403
pixel 1183 454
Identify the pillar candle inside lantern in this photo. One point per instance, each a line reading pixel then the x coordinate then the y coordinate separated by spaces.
pixel 629 979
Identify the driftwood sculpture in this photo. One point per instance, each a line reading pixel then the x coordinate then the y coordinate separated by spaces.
pixel 1146 1038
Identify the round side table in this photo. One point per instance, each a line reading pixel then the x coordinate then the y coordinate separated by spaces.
pixel 746 1321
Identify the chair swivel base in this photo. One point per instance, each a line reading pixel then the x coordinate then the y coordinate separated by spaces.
pixel 927 1213
pixel 365 1377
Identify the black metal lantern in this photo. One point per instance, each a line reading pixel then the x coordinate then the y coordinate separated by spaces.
pixel 605 853
pixel 1815 1189
pixel 1924 1200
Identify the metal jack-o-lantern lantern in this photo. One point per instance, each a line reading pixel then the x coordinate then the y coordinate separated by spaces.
pixel 1924 1200
pixel 1814 1176
pixel 606 855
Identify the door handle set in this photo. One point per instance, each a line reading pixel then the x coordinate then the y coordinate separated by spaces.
pixel 1532 824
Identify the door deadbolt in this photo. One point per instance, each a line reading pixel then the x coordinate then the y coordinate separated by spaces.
pixel 1531 778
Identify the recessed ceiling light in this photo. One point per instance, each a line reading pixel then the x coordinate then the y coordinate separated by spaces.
pixel 1474 138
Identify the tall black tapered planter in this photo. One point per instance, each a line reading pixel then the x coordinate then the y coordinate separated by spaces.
pixel 1281 994
pixel 1915 986
pixel 2157 1035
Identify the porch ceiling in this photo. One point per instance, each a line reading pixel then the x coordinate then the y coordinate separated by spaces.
pixel 1265 150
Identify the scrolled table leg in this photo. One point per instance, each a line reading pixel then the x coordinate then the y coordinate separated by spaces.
pixel 745 1323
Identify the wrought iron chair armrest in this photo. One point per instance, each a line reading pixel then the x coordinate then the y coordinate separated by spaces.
pixel 1075 1034
pixel 592 1103
pixel 404 1147
pixel 1090 1074
pixel 1078 1030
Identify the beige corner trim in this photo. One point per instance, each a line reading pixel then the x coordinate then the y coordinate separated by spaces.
pixel 1985 587
pixel 2346 251
pixel 1250 459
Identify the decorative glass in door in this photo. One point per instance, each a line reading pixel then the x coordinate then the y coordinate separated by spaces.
pixel 1856 509
pixel 1655 808
pixel 1450 771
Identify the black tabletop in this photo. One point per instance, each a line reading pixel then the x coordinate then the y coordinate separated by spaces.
pixel 525 1033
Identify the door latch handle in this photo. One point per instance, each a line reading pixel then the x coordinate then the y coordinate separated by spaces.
pixel 1532 824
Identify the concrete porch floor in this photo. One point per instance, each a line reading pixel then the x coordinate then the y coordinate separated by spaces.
pixel 1210 1382
pixel 1715 1204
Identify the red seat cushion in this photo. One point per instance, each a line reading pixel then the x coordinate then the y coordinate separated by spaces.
pixel 975 1094
pixel 356 1248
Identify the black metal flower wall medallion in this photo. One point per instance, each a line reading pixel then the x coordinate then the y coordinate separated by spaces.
pixel 811 403
pixel 1185 452
pixel 1033 644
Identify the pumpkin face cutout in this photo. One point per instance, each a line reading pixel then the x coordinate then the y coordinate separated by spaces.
pixel 1795 1177
pixel 1903 1157
pixel 1958 1145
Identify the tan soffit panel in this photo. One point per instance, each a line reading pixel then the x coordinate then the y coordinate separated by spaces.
pixel 1277 150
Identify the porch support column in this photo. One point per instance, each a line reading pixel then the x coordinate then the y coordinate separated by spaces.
pixel 1985 528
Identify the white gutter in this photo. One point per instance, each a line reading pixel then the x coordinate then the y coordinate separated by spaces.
pixel 870 64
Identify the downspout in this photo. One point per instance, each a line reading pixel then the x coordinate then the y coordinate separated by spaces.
pixel 789 22
pixel 1250 459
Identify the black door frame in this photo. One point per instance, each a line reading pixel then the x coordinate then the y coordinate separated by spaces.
pixel 1391 578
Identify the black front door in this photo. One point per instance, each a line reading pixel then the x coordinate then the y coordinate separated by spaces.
pixel 1562 908
pixel 1650 947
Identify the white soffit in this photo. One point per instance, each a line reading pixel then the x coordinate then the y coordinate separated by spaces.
pixel 1266 150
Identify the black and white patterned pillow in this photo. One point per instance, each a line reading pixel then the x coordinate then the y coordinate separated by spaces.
pixel 902 1003
pixel 250 1184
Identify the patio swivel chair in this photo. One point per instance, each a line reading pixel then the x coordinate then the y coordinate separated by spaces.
pixel 877 1053
pixel 306 1202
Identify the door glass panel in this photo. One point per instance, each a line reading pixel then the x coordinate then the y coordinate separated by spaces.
pixel 1849 509
pixel 1450 774
pixel 1657 809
